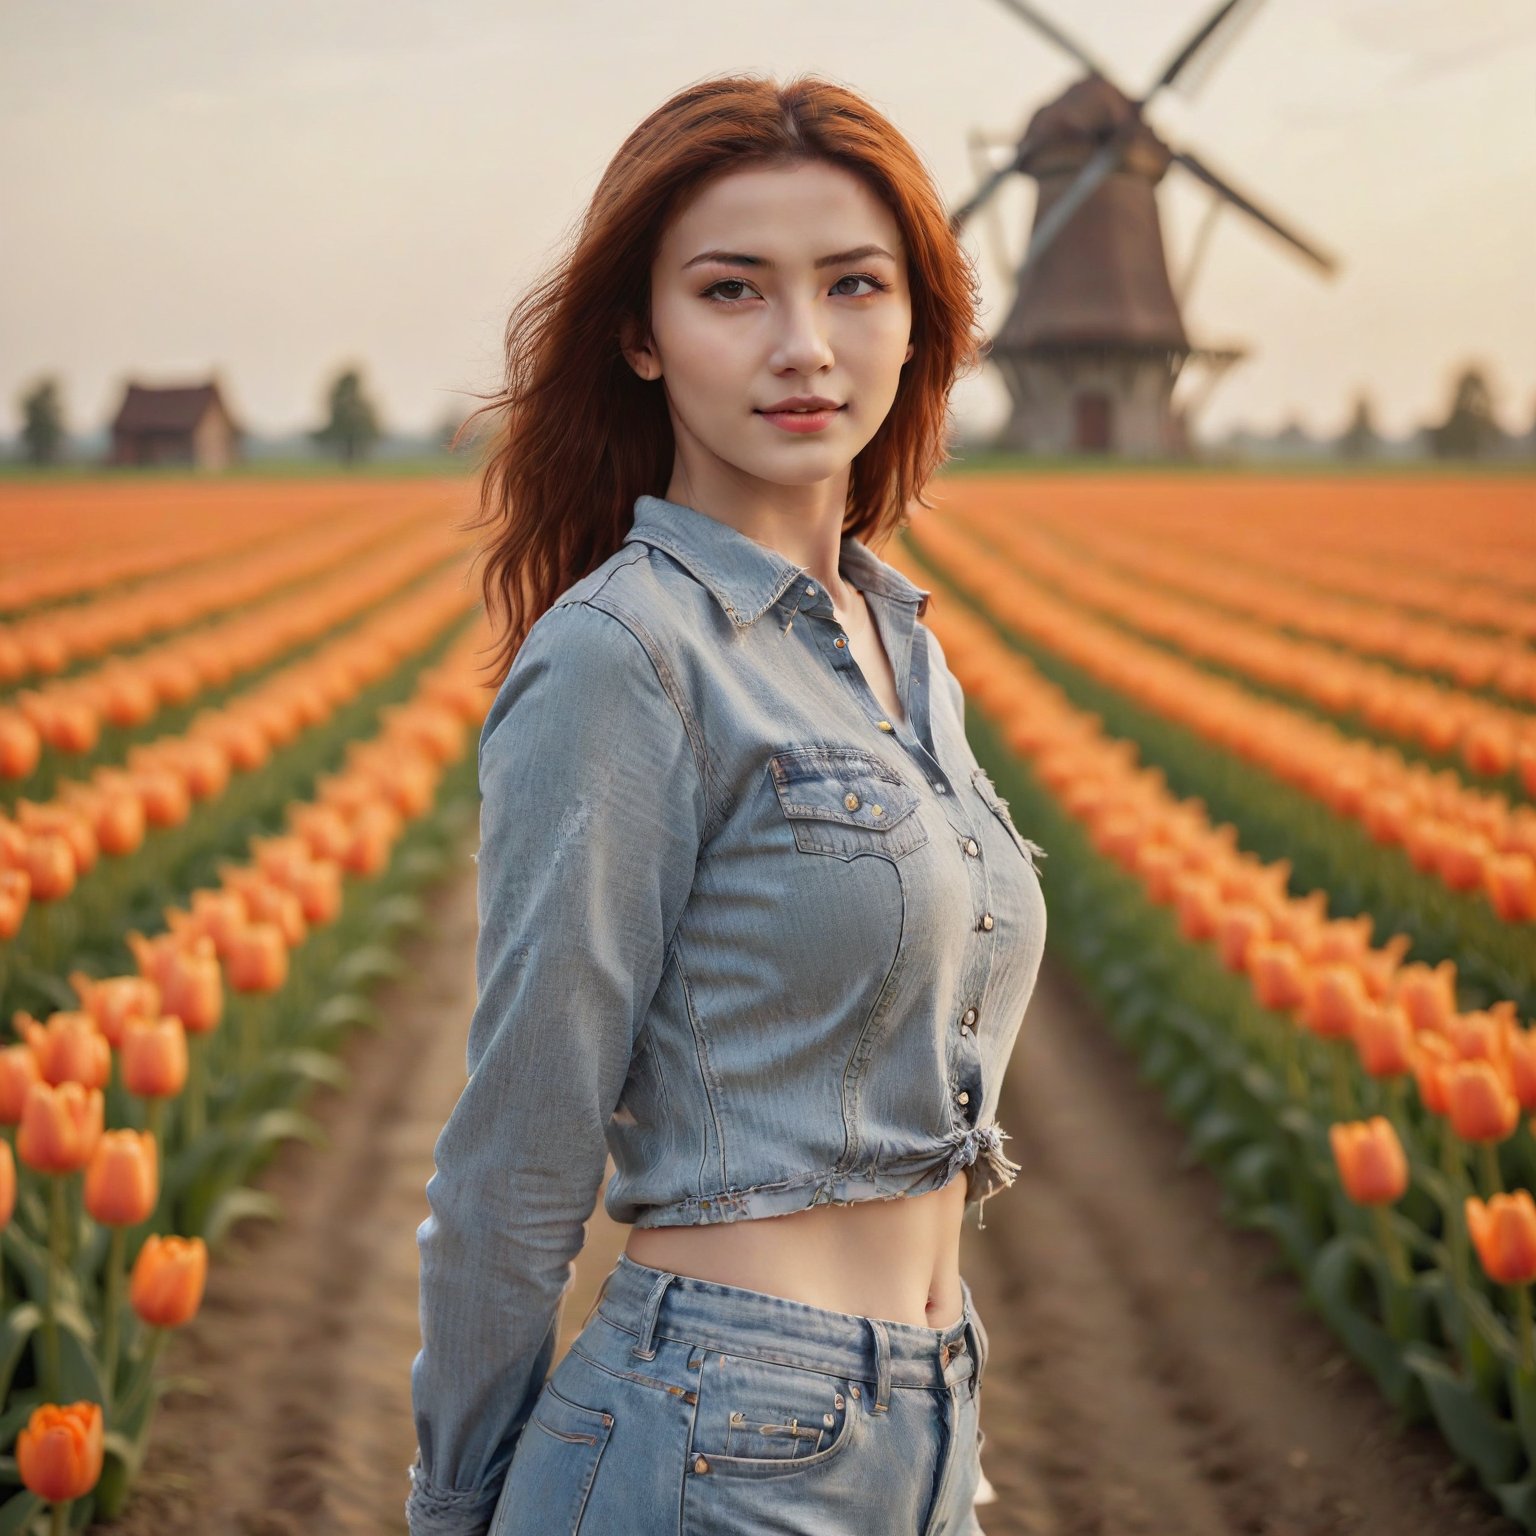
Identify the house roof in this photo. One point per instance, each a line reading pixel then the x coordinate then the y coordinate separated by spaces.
pixel 175 409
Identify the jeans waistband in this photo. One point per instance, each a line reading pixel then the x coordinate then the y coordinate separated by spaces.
pixel 656 1303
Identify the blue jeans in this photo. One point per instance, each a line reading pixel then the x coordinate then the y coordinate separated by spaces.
pixel 689 1408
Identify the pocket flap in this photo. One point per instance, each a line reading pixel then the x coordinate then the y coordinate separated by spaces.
pixel 842 784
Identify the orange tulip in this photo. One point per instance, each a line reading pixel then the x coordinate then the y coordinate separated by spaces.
pixel 1504 1234
pixel 112 1002
pixel 69 1048
pixel 1510 880
pixel 15 898
pixel 21 747
pixel 267 901
pixel 59 1452
pixel 1520 1050
pixel 51 865
pixel 166 1287
pixel 258 958
pixel 1336 1000
pixel 1432 1055
pixel 374 830
pixel 7 1182
pixel 1373 1167
pixel 18 1071
pixel 1481 1104
pixel 1384 1040
pixel 1238 925
pixel 153 1058
pixel 60 1127
pixel 122 1180
pixel 318 887
pixel 192 985
pixel 1277 971
pixel 219 914
pixel 1427 994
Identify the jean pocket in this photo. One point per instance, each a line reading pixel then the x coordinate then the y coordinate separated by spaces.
pixel 845 801
pixel 553 1468
pixel 758 1418
pixel 999 808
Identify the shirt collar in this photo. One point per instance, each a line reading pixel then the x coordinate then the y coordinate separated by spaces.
pixel 746 577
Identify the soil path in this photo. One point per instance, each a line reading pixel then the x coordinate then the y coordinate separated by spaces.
pixel 1151 1371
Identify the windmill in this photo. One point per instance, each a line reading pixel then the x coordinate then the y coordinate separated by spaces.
pixel 1094 341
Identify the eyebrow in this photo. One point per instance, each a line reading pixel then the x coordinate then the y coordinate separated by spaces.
pixel 736 259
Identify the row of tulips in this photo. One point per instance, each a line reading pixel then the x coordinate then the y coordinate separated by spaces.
pixel 1369 622
pixel 70 713
pixel 1492 740
pixel 1469 840
pixel 195 1060
pixel 1302 1058
pixel 44 641
pixel 101 828
pixel 64 542
pixel 1381 539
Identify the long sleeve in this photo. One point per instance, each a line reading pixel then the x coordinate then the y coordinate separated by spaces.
pixel 592 813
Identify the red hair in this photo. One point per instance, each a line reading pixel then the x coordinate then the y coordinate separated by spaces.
pixel 579 436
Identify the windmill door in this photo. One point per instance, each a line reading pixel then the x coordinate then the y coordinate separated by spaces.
pixel 1092 424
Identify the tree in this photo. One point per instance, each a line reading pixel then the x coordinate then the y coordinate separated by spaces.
pixel 1360 439
pixel 1470 430
pixel 42 430
pixel 353 427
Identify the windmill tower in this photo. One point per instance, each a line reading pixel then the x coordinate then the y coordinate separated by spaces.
pixel 1094 341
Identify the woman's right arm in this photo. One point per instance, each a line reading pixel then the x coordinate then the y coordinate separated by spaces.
pixel 592 812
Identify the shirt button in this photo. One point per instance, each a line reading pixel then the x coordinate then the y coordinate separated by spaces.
pixel 840 642
pixel 700 1465
pixel 851 800
pixel 970 1015
pixel 938 785
pixel 963 1097
pixel 810 591
pixel 965 1029
pixel 986 922
pixel 885 725
pixel 972 847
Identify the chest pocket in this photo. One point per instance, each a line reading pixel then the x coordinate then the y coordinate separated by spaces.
pixel 845 801
pixel 999 808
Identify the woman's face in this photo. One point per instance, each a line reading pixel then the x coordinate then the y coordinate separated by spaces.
pixel 747 309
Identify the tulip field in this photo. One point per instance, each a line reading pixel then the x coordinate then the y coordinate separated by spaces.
pixel 237 731
pixel 1277 739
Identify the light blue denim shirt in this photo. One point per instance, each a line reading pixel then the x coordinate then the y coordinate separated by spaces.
pixel 767 947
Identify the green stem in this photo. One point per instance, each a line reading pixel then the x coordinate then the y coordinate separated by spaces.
pixel 197 1088
pixel 1295 1078
pixel 1488 1159
pixel 1343 1092
pixel 53 1369
pixel 57 1522
pixel 1523 1313
pixel 1392 1245
pixel 1453 1164
pixel 111 1308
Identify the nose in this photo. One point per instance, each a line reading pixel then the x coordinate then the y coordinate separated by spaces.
pixel 802 344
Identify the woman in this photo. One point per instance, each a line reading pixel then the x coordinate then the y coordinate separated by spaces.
pixel 753 918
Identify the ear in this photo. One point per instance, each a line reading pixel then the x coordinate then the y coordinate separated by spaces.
pixel 637 353
pixel 910 350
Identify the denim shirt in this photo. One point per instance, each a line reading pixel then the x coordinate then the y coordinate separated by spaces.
pixel 765 946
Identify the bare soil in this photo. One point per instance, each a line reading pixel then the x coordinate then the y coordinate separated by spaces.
pixel 1151 1371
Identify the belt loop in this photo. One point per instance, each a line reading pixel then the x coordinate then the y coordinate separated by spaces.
pixel 882 1365
pixel 645 1345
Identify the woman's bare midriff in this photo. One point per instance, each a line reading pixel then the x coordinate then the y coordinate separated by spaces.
pixel 898 1260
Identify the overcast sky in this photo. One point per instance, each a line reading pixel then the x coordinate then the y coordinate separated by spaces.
pixel 276 189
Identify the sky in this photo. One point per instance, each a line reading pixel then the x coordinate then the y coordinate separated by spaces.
pixel 277 190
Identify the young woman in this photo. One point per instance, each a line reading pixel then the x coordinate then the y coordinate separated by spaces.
pixel 753 918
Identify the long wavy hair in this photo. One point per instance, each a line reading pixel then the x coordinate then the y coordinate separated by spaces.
pixel 578 436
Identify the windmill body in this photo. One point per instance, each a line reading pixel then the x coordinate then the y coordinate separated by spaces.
pixel 1094 340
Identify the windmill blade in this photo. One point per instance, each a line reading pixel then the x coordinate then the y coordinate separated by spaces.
pixel 1095 169
pixel 1329 264
pixel 1051 30
pixel 1200 40
pixel 990 184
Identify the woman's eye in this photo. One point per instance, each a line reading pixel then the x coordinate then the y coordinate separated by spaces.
pixel 739 283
